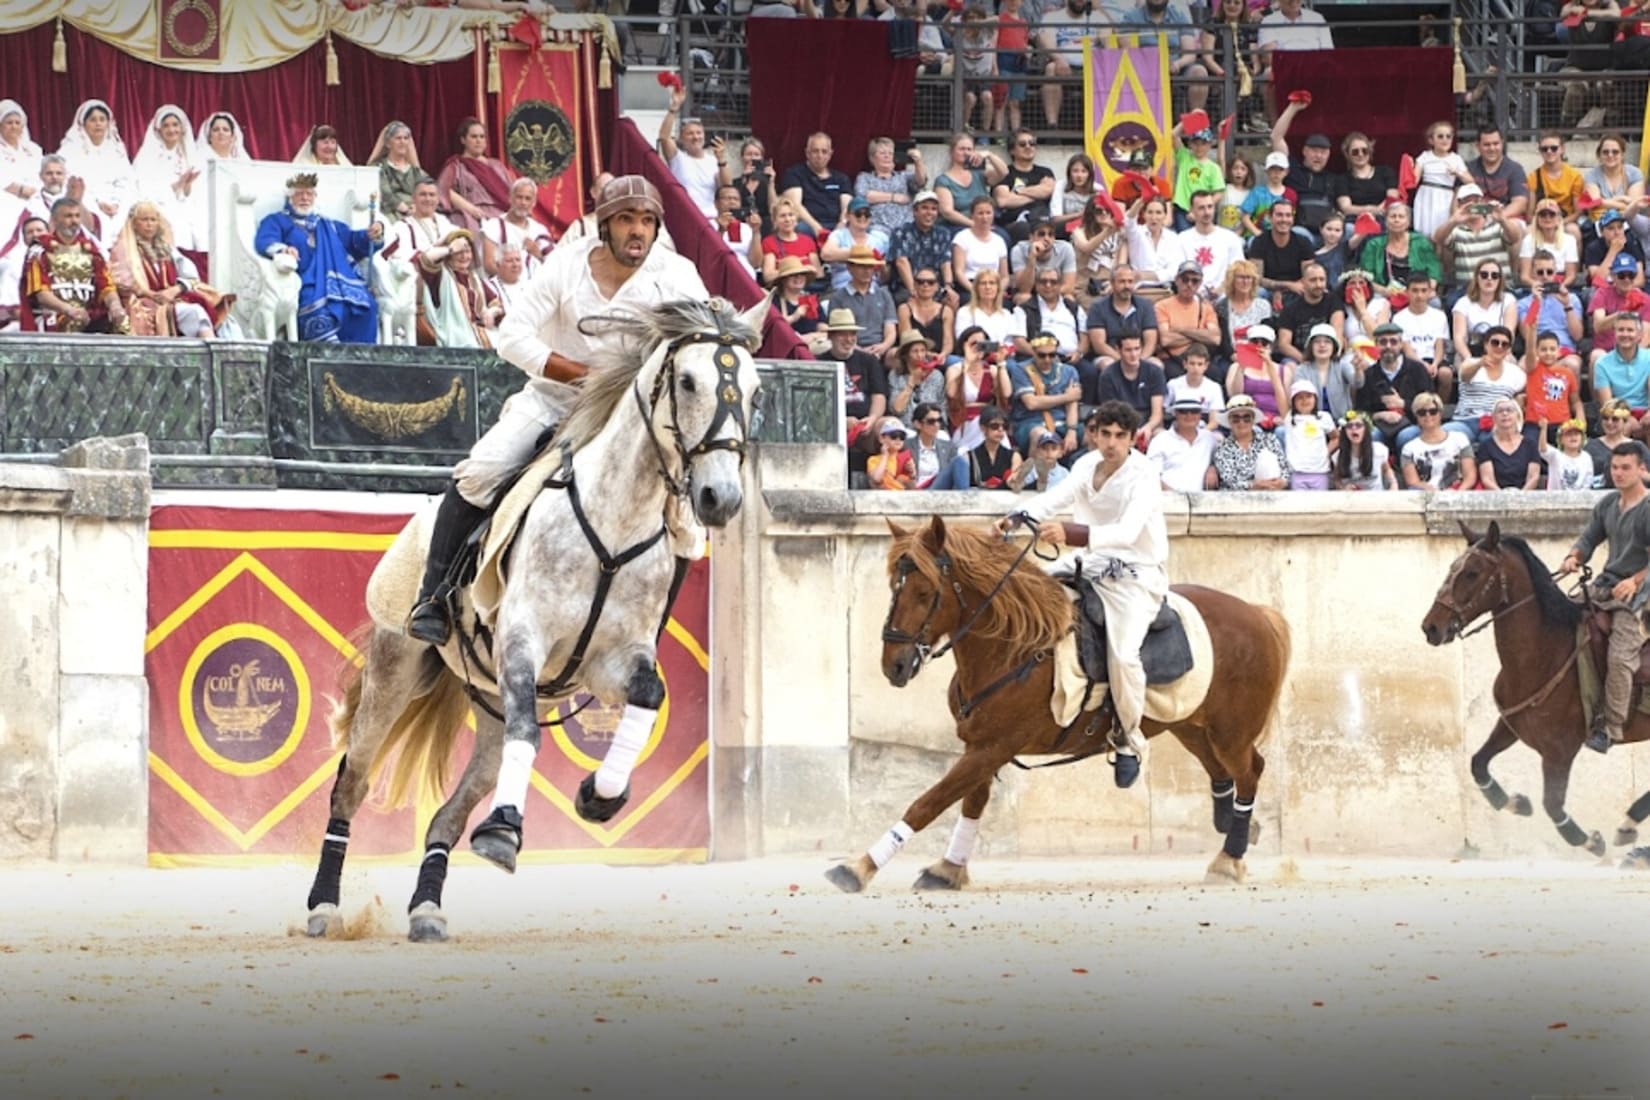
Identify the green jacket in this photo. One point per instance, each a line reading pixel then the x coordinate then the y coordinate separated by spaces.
pixel 1422 257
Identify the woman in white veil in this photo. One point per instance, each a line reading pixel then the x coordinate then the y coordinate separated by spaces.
pixel 221 138
pixel 96 155
pixel 321 148
pixel 171 175
pixel 19 164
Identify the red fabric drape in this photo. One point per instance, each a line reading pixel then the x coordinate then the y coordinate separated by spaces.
pixel 799 85
pixel 277 106
pixel 631 153
pixel 1413 90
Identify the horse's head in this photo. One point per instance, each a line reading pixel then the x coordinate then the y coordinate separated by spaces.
pixel 920 611
pixel 1475 586
pixel 703 397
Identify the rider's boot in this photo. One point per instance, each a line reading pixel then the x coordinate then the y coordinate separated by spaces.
pixel 454 520
pixel 1599 739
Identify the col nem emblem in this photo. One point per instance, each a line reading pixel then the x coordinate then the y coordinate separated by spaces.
pixel 245 699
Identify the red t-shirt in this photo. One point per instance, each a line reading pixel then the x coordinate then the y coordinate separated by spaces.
pixel 1012 35
pixel 802 247
pixel 1547 394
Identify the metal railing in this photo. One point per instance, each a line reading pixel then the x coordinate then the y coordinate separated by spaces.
pixel 1517 75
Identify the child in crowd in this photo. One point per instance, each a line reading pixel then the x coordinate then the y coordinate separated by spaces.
pixel 1360 459
pixel 993 463
pixel 1437 171
pixel 1195 383
pixel 1043 470
pixel 977 58
pixel 1333 254
pixel 1240 180
pixel 1308 436
pixel 1426 330
pixel 1569 467
pixel 1195 169
pixel 1261 198
pixel 1551 393
pixel 1013 43
pixel 892 467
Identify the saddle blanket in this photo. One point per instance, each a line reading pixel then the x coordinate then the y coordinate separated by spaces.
pixel 1171 702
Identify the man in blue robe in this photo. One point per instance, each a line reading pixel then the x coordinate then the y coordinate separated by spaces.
pixel 334 304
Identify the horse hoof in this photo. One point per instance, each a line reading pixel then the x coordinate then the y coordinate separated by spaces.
pixel 592 807
pixel 1520 805
pixel 843 878
pixel 427 924
pixel 1254 831
pixel 1225 871
pixel 933 880
pixel 1626 835
pixel 498 838
pixel 1595 844
pixel 324 921
pixel 1637 860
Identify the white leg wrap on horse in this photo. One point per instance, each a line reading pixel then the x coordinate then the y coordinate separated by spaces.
pixel 963 834
pixel 629 739
pixel 889 844
pixel 513 773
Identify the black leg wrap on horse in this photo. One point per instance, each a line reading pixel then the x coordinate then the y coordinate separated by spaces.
pixel 1640 810
pixel 432 876
pixel 593 807
pixel 324 890
pixel 1493 793
pixel 1572 833
pixel 1222 792
pixel 1237 834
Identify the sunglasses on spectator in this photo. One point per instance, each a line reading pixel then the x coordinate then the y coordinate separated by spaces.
pixel 1428 410
pixel 930 420
pixel 1489 274
pixel 1390 341
pixel 1546 213
pixel 1046 354
pixel 1498 342
pixel 926 282
pixel 1027 143
pixel 1623 417
pixel 1548 274
pixel 1261 342
pixel 861 214
pixel 1188 278
pixel 1238 418
pixel 1624 274
pixel 995 426
pixel 1358 151
pixel 1550 148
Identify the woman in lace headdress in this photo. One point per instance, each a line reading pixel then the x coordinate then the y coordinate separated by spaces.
pixel 96 155
pixel 221 138
pixel 321 147
pixel 396 158
pixel 170 174
pixel 163 293
pixel 19 164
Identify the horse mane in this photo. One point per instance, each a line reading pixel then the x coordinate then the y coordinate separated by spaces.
pixel 613 371
pixel 1556 607
pixel 1031 612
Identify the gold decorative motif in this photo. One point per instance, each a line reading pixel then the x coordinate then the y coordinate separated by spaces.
pixel 392 421
pixel 539 140
pixel 169 27
pixel 246 717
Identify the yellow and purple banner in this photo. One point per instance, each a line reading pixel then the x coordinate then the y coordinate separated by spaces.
pixel 1126 119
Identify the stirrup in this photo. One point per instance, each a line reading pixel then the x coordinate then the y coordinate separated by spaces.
pixel 1598 739
pixel 429 621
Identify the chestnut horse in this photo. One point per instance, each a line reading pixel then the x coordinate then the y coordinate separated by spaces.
pixel 1003 619
pixel 1538 691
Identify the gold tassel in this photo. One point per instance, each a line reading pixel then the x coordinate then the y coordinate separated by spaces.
pixel 604 71
pixel 1458 75
pixel 332 63
pixel 60 50
pixel 1246 80
pixel 495 75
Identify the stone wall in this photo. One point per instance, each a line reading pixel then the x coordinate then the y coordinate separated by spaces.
pixel 815 751
pixel 73 700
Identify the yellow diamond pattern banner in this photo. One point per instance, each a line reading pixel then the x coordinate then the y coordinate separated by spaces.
pixel 254 618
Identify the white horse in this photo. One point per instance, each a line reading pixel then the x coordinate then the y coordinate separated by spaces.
pixel 656 440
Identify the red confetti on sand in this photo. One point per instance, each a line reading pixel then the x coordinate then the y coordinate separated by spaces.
pixel 794 887
pixel 1432 977
pixel 815 981
pixel 1079 970
pixel 22 1035
pixel 1560 1026
pixel 601 1019
pixel 1317 1004
pixel 787 951
pixel 389 1077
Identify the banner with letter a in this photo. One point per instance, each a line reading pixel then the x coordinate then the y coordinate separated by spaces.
pixel 254 623
pixel 1126 119
pixel 547 118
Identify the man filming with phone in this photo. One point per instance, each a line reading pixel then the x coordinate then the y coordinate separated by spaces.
pixel 1478 229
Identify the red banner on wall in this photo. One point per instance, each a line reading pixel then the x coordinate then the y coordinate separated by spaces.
pixel 253 622
pixel 546 124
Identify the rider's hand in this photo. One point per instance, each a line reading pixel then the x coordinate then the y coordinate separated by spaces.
pixel 1570 564
pixel 1052 532
pixel 1625 590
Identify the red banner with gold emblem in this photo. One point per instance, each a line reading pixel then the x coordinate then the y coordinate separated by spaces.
pixel 253 622
pixel 546 120
pixel 190 30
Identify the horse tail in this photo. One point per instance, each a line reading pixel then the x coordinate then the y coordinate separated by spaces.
pixel 1280 632
pixel 422 740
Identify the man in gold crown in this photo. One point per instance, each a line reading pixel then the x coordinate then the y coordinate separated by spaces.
pixel 66 281
pixel 334 304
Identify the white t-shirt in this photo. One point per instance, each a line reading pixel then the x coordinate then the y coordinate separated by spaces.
pixel 502 231
pixel 1306 441
pixel 1566 247
pixel 1068 31
pixel 1213 252
pixel 1308 31
pixel 979 255
pixel 563 292
pixel 1181 463
pixel 1374 482
pixel 1438 464
pixel 1568 473
pixel 1060 321
pixel 699 175
pixel 1481 316
pixel 1207 391
pixel 1422 330
pixel 1002 326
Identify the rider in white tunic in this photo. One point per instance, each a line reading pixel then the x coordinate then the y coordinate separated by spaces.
pixel 1114 491
pixel 553 334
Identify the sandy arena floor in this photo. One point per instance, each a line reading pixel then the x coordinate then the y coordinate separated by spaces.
pixel 1330 978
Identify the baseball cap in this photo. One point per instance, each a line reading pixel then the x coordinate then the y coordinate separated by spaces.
pixel 1190 267
pixel 892 426
pixel 1624 262
pixel 856 205
pixel 1609 217
pixel 1261 332
pixel 1300 386
pixel 1469 191
pixel 1319 141
pixel 924 196
pixel 1277 160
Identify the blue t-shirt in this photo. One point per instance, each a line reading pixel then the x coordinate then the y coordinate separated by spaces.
pixel 1019 378
pixel 1626 381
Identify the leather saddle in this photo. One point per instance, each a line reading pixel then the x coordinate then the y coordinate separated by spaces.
pixel 1598 647
pixel 1166 652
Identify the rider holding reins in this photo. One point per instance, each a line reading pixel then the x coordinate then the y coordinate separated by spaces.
pixel 1116 503
pixel 1619 587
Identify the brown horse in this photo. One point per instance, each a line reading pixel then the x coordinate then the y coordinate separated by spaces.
pixel 1538 691
pixel 1003 619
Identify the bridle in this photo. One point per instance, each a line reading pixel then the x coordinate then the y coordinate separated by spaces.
pixel 730 405
pixel 1495 573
